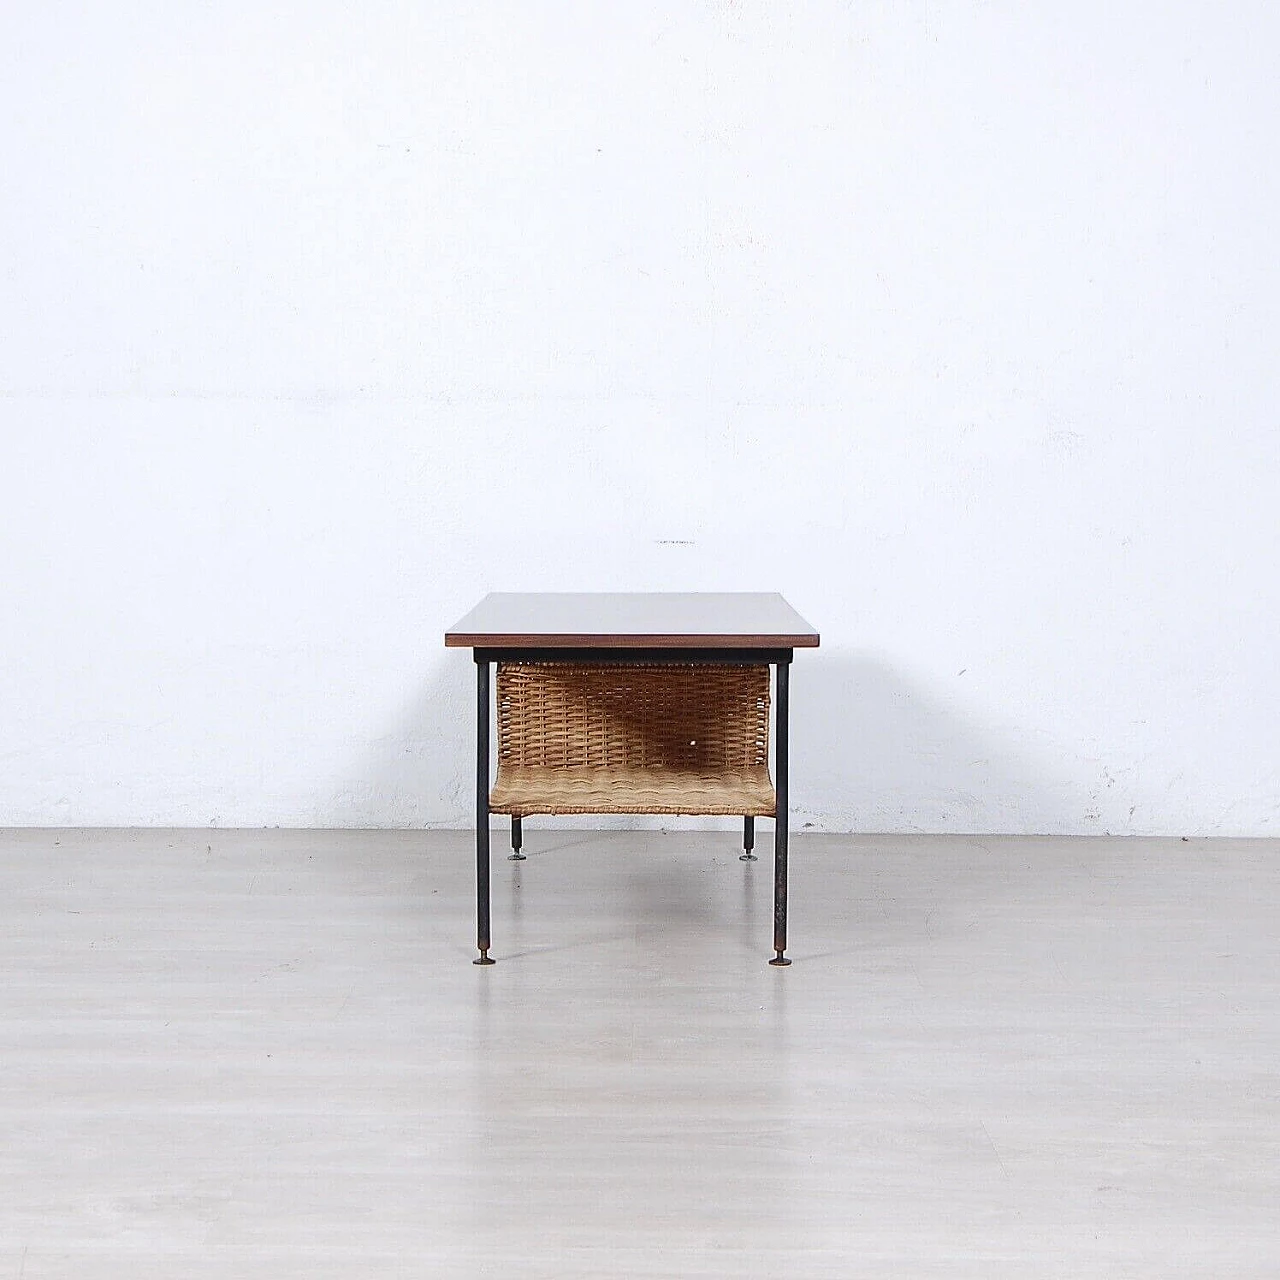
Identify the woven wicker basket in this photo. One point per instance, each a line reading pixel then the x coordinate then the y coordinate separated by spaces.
pixel 633 738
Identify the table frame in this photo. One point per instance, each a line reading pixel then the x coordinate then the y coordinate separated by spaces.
pixel 779 658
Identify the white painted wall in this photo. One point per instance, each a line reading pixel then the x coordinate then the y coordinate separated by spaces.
pixel 955 322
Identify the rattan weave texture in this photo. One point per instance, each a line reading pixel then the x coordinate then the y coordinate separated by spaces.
pixel 632 738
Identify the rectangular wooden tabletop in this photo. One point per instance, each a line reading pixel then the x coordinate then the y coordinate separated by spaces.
pixel 633 620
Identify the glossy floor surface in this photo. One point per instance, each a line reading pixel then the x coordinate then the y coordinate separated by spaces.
pixel 267 1054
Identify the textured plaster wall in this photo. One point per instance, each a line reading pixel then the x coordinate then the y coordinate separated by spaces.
pixel 957 323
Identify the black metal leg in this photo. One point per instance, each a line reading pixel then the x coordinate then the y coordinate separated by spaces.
pixel 780 760
pixel 517 839
pixel 482 811
pixel 748 840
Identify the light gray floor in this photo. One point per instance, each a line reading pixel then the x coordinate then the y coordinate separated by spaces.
pixel 266 1054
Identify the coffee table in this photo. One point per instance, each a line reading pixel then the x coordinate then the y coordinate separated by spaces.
pixel 633 703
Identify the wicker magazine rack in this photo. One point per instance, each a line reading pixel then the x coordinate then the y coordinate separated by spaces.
pixel 633 738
